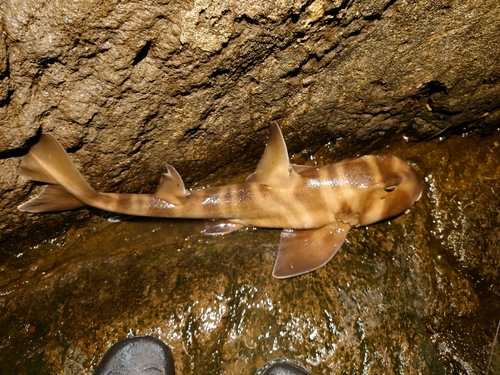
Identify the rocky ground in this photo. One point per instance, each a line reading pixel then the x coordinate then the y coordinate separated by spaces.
pixel 416 295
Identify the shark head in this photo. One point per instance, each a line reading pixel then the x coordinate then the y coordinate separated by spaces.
pixel 394 187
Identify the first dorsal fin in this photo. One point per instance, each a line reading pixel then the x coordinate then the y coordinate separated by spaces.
pixel 274 167
pixel 171 188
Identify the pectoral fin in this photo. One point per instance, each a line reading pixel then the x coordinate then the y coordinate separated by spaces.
pixel 215 227
pixel 305 250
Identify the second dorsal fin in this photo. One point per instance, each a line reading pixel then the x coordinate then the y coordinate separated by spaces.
pixel 171 188
pixel 274 167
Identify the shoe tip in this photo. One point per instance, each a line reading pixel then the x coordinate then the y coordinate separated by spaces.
pixel 282 366
pixel 137 355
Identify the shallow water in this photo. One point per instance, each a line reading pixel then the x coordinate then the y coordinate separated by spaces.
pixel 417 294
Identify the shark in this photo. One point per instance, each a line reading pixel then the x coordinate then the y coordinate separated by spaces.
pixel 315 207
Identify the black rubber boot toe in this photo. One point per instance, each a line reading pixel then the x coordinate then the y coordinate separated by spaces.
pixel 137 355
pixel 281 366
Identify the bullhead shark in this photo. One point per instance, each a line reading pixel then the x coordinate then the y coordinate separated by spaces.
pixel 315 206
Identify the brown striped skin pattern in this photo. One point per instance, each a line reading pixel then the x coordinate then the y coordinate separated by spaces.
pixel 315 206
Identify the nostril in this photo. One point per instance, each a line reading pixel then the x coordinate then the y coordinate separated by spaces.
pixel 391 188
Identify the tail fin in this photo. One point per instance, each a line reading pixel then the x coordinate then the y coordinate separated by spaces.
pixel 52 198
pixel 48 162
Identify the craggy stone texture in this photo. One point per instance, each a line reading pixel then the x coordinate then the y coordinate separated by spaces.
pixel 416 295
pixel 131 85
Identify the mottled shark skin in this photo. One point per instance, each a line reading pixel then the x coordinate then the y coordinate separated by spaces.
pixel 315 206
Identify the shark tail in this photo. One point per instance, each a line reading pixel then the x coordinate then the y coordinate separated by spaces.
pixel 66 188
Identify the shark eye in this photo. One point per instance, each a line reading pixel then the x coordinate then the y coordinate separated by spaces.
pixel 391 188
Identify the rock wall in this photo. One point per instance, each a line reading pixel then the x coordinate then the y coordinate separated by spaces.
pixel 135 84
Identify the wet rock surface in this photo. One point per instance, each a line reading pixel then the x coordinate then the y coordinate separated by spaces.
pixel 415 295
pixel 130 85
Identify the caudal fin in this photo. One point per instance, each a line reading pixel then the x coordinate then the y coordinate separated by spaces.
pixel 48 162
